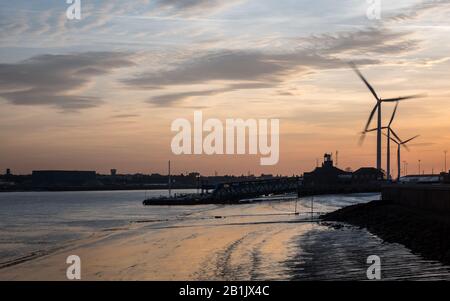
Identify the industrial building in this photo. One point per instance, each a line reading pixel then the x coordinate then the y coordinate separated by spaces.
pixel 63 178
pixel 327 174
pixel 330 179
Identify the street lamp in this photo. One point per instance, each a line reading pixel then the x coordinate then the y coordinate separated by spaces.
pixel 419 166
pixel 445 161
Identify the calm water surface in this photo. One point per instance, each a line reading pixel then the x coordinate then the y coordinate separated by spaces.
pixel 31 221
pixel 261 241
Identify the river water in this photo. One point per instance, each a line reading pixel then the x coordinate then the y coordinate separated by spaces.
pixel 35 221
pixel 255 241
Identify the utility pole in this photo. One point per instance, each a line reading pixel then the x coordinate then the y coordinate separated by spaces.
pixel 170 182
pixel 419 166
pixel 445 161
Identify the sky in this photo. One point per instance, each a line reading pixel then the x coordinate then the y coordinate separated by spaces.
pixel 101 92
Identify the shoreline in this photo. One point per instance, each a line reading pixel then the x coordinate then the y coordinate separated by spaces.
pixel 423 232
pixel 263 241
pixel 95 188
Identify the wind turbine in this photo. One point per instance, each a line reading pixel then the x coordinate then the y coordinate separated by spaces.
pixel 377 108
pixel 389 131
pixel 399 144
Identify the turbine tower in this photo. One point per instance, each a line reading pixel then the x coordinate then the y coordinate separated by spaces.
pixel 399 144
pixel 377 109
pixel 388 143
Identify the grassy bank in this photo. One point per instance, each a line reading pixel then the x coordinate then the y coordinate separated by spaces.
pixel 424 232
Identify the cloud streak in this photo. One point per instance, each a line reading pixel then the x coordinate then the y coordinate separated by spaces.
pixel 241 69
pixel 58 80
pixel 419 9
pixel 186 8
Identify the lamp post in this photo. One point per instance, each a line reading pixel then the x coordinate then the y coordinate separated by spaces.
pixel 419 166
pixel 170 182
pixel 445 161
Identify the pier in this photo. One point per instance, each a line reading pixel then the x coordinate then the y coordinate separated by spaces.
pixel 233 192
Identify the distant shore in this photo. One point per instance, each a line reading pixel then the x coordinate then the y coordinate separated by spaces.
pixel 423 232
pixel 94 188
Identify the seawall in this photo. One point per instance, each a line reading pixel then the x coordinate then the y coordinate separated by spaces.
pixel 433 197
pixel 307 190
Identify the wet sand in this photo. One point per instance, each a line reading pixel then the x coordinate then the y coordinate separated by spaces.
pixel 263 241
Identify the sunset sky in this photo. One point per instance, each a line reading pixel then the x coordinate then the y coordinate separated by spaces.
pixel 102 92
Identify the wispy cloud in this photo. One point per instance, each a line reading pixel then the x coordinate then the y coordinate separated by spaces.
pixel 188 8
pixel 374 40
pixel 239 70
pixel 124 116
pixel 418 10
pixel 173 99
pixel 58 80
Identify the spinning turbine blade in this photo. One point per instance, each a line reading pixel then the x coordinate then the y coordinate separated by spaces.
pixel 393 114
pixel 365 81
pixel 409 140
pixel 396 136
pixel 375 129
pixel 403 98
pixel 363 134
pixel 361 138
pixel 395 141
pixel 371 117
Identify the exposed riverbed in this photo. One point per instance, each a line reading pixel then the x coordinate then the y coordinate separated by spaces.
pixel 259 241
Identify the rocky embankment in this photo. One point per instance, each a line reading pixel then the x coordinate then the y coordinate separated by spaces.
pixel 423 232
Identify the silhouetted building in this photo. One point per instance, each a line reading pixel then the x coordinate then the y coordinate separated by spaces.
pixel 63 178
pixel 327 174
pixel 113 172
pixel 367 174
pixel 445 177
pixel 266 176
pixel 329 179
pixel 8 172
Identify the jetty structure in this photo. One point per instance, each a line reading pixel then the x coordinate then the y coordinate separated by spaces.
pixel 231 192
pixel 326 179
